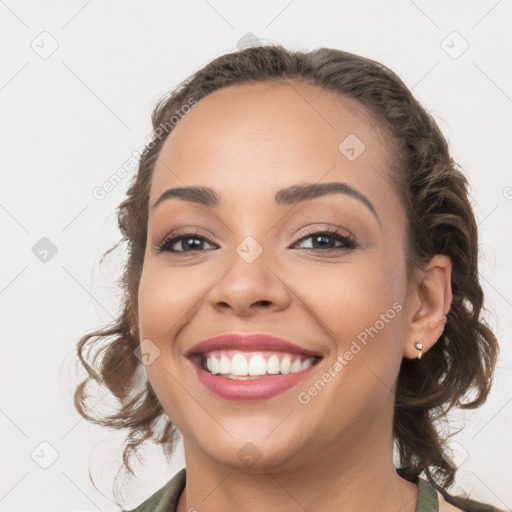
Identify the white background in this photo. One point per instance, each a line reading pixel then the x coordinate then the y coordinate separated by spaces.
pixel 70 120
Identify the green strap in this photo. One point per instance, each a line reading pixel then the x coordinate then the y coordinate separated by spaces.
pixel 427 497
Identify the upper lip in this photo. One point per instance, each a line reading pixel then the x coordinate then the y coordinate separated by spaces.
pixel 250 342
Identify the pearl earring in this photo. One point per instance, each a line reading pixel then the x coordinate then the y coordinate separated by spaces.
pixel 419 346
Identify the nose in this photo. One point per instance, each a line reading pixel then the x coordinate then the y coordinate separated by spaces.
pixel 249 287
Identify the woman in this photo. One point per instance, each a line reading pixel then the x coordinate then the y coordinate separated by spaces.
pixel 301 291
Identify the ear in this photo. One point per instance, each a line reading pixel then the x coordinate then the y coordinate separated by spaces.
pixel 427 306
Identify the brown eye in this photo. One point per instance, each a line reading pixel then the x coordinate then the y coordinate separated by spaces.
pixel 183 243
pixel 326 240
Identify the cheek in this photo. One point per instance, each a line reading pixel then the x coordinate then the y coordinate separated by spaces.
pixel 166 295
pixel 154 299
pixel 163 299
pixel 352 296
pixel 361 306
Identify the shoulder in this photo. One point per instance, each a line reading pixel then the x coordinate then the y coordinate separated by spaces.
pixel 444 506
pixel 450 503
pixel 166 498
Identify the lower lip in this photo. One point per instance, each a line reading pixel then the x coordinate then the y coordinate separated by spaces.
pixel 254 389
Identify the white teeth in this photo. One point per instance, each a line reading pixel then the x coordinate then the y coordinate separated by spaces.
pixel 257 365
pixel 214 365
pixel 224 365
pixel 295 367
pixel 243 366
pixel 286 365
pixel 306 364
pixel 273 365
pixel 239 365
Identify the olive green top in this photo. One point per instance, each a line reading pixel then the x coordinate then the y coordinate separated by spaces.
pixel 166 499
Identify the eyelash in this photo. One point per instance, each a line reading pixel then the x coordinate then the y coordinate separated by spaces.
pixel 168 242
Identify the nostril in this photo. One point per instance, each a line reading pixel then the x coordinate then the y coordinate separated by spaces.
pixel 264 302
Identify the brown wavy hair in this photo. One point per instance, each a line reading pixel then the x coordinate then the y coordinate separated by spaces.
pixel 435 196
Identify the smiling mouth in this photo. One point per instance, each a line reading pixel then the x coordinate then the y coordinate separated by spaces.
pixel 243 365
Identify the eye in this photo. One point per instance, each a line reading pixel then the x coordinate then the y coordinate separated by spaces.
pixel 324 241
pixel 188 242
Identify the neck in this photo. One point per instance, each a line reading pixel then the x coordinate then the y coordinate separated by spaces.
pixel 361 477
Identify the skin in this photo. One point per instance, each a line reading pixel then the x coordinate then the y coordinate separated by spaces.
pixel 335 452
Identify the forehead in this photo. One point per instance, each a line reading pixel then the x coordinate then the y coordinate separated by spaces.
pixel 250 137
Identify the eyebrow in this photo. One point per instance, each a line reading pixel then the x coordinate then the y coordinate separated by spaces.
pixel 287 196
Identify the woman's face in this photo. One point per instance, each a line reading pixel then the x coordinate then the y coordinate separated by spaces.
pixel 253 265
